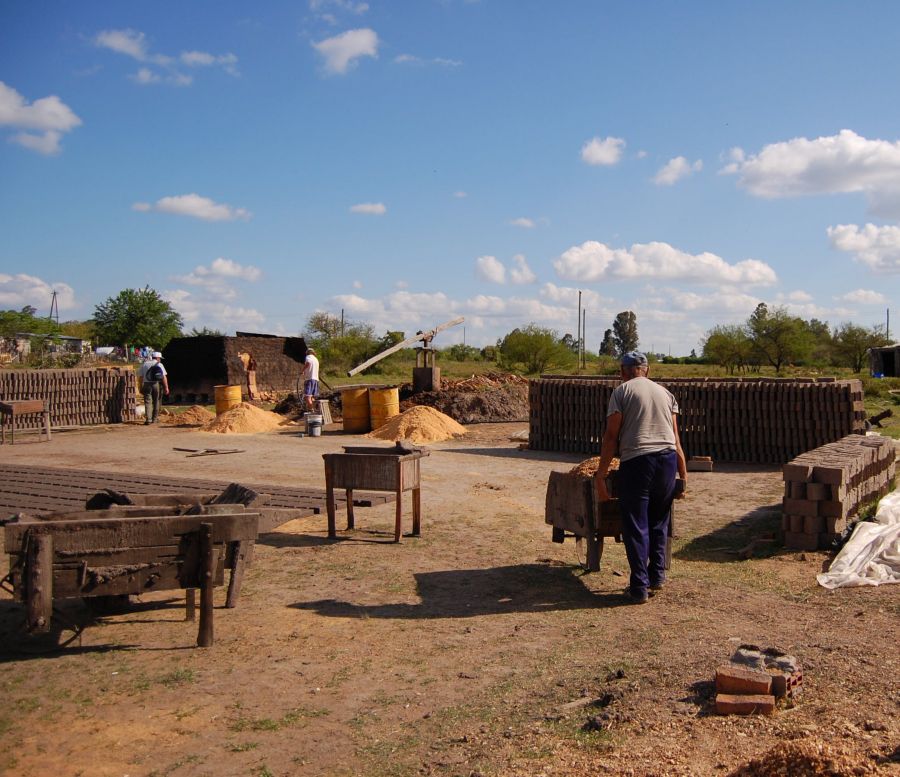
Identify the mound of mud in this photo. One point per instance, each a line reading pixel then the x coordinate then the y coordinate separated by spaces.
pixel 806 758
pixel 490 398
pixel 291 406
pixel 195 415
pixel 419 424
pixel 588 468
pixel 244 419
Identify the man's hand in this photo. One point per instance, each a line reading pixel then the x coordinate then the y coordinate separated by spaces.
pixel 600 487
pixel 680 492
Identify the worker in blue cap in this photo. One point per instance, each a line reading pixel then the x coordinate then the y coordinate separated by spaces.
pixel 642 425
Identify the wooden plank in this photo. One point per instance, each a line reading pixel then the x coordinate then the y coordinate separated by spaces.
pixel 39 583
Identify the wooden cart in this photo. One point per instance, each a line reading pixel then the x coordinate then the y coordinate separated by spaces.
pixel 572 509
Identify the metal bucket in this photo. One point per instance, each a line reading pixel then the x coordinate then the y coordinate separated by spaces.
pixel 313 424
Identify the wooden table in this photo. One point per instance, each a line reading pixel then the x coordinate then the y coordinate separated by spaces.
pixel 376 469
pixel 12 409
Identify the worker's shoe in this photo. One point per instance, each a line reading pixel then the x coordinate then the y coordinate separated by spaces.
pixel 638 595
pixel 655 588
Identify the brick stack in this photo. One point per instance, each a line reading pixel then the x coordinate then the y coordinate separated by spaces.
pixel 755 681
pixel 825 487
pixel 762 420
pixel 74 397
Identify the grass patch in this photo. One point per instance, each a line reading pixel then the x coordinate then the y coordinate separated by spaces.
pixel 290 718
pixel 243 747
pixel 177 677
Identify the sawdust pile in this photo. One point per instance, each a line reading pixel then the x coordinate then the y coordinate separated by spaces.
pixel 419 424
pixel 195 415
pixel 244 419
pixel 806 758
pixel 588 467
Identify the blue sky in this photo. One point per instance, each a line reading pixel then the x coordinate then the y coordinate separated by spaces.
pixel 410 162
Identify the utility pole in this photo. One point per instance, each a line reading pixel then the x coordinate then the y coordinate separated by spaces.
pixel 579 326
pixel 342 322
pixel 583 338
pixel 54 309
pixel 887 328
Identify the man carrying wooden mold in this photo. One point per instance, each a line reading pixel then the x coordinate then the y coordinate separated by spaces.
pixel 642 424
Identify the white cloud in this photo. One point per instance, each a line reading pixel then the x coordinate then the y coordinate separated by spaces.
pixel 369 208
pixel 195 206
pixel 19 290
pixel 460 195
pixel 341 52
pixel 521 273
pixel 593 261
pixel 209 311
pixel 133 43
pixel 568 296
pixel 523 222
pixel 46 119
pixel 723 301
pixel 490 269
pixel 320 6
pixel 401 285
pixel 864 297
pixel 796 297
pixel 411 59
pixel 876 247
pixel 641 154
pixel 603 151
pixel 676 169
pixel 836 164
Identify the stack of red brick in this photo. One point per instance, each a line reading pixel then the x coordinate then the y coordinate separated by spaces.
pixel 824 488
pixel 755 681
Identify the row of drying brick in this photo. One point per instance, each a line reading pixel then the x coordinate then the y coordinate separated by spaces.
pixel 74 397
pixel 825 488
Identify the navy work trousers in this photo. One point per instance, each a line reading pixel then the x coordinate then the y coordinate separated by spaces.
pixel 646 488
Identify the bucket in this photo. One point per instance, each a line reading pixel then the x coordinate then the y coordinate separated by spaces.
pixel 313 424
pixel 355 404
pixel 227 397
pixel 384 404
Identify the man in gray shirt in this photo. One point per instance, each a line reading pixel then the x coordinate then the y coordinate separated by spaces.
pixel 641 423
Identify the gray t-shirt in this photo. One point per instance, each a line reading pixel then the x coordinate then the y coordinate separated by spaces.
pixel 646 409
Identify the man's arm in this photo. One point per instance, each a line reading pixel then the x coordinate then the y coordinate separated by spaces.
pixel 165 383
pixel 607 451
pixel 682 464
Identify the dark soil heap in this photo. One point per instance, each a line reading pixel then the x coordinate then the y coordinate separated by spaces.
pixel 488 398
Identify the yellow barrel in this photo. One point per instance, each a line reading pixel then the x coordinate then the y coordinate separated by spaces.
pixel 355 409
pixel 384 404
pixel 227 397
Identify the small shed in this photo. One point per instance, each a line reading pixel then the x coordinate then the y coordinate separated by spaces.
pixel 885 361
pixel 196 365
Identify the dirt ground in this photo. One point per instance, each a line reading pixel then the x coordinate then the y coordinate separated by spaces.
pixel 456 653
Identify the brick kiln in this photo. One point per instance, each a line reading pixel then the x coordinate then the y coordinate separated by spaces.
pixel 197 364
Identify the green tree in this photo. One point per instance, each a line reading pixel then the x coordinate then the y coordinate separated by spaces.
pixel 608 346
pixel 462 353
pixel 136 317
pixel 778 337
pixel 25 320
pixel 625 333
pixel 205 331
pixel 341 345
pixel 534 349
pixel 851 344
pixel 729 346
pixel 81 329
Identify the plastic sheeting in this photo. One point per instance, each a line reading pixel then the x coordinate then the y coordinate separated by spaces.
pixel 872 554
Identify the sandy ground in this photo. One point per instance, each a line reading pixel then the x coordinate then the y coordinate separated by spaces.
pixel 450 654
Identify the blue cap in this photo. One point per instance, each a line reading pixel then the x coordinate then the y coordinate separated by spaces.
pixel 634 359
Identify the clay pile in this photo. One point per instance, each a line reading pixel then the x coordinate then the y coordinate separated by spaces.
pixel 419 424
pixel 488 398
pixel 195 415
pixel 588 467
pixel 244 419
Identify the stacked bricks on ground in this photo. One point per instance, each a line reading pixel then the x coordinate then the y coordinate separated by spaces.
pixel 753 420
pixel 755 680
pixel 74 397
pixel 825 487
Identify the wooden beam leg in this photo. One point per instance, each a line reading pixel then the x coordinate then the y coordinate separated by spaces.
pixel 417 512
pixel 329 501
pixel 593 550
pixel 39 582
pixel 351 519
pixel 243 553
pixel 47 424
pixel 207 580
pixel 190 604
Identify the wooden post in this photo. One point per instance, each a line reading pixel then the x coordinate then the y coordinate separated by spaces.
pixel 594 542
pixel 243 553
pixel 417 512
pixel 47 424
pixel 329 498
pixel 39 582
pixel 351 519
pixel 190 604
pixel 399 517
pixel 207 578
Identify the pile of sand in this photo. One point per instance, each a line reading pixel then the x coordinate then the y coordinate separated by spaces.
pixel 244 419
pixel 195 415
pixel 807 758
pixel 588 467
pixel 419 424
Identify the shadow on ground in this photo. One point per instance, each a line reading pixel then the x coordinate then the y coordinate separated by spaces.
pixel 723 544
pixel 467 593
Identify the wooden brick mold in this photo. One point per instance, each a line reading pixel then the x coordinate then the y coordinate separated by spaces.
pixel 760 421
pixel 824 488
pixel 74 397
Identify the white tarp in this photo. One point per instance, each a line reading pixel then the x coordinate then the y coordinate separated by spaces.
pixel 872 554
